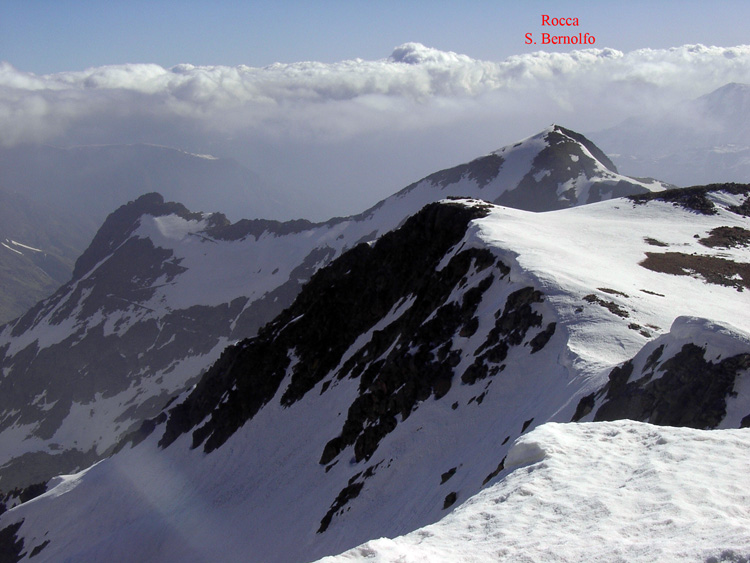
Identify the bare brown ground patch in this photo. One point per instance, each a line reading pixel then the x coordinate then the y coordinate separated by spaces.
pixel 727 237
pixel 719 271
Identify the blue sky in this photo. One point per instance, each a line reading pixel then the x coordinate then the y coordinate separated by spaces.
pixel 43 36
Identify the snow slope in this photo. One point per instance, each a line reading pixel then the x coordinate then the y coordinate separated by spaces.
pixel 616 491
pixel 393 389
pixel 596 250
pixel 162 291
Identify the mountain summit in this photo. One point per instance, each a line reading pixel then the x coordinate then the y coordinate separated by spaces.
pixel 554 169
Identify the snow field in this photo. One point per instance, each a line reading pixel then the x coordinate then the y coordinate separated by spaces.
pixel 597 249
pixel 596 492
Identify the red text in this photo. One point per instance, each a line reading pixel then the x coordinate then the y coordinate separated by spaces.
pixel 580 39
pixel 546 20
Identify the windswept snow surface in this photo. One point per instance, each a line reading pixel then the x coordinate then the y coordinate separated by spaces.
pixel 597 250
pixel 596 492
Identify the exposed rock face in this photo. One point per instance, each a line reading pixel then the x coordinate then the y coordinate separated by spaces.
pixel 673 381
pixel 696 198
pixel 411 360
pixel 405 362
pixel 385 314
pixel 11 547
pixel 19 496
pixel 687 390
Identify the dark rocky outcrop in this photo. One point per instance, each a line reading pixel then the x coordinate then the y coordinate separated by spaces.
pixel 222 229
pixel 511 326
pixel 584 407
pixel 38 549
pixel 347 493
pixel 420 363
pixel 11 547
pixel 611 306
pixel 688 391
pixel 338 304
pixel 541 339
pixel 726 237
pixel 121 224
pixel 694 198
pixel 447 475
pixel 19 496
pixel 495 472
pixel 450 500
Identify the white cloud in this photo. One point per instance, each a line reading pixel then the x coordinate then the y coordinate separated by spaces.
pixel 386 107
pixel 413 76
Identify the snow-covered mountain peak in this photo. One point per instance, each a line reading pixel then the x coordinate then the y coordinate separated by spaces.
pixel 120 224
pixel 554 169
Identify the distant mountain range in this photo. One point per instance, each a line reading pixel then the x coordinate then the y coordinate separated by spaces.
pixel 274 391
pixel 701 141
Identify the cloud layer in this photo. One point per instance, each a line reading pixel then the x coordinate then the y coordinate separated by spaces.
pixel 325 124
